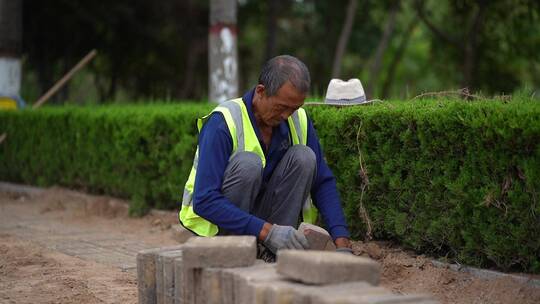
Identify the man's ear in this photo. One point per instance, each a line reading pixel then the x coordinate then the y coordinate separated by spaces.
pixel 260 90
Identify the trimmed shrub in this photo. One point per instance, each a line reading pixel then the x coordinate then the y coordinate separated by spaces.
pixel 453 178
pixel 140 152
pixel 446 177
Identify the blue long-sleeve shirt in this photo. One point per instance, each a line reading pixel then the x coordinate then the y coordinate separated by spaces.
pixel 215 149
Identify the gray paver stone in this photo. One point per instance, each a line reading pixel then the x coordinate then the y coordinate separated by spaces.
pixel 247 285
pixel 146 273
pixel 352 292
pixel 187 280
pixel 211 291
pixel 180 234
pixel 368 295
pixel 319 294
pixel 179 281
pixel 199 253
pixel 396 299
pixel 326 267
pixel 220 251
pixel 318 237
pixel 286 291
pixel 275 292
pixel 165 263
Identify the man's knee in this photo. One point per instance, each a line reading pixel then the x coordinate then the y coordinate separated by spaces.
pixel 245 166
pixel 303 157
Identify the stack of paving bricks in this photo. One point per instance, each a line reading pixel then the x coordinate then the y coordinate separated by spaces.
pixel 224 270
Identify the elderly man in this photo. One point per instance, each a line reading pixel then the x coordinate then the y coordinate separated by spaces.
pixel 257 163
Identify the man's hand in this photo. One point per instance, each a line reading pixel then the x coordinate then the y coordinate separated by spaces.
pixel 285 237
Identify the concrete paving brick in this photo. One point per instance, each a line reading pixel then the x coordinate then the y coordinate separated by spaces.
pixel 325 267
pixel 179 281
pixel 165 263
pixel 318 237
pixel 192 280
pixel 276 292
pixel 315 293
pixel 187 280
pixel 146 274
pixel 209 252
pixel 247 285
pixel 227 283
pixel 373 295
pixel 211 291
pixel 352 292
pixel 264 292
pixel 180 234
pixel 262 284
pixel 220 251
pixel 396 299
pixel 286 291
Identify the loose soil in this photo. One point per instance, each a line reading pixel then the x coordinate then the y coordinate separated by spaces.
pixel 31 271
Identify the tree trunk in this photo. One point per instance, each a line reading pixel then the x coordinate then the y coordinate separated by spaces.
pixel 469 49
pixel 10 47
pixel 196 49
pixel 397 58
pixel 466 44
pixel 381 48
pixel 271 29
pixel 344 38
pixel 222 53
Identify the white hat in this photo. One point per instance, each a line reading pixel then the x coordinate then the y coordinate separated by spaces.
pixel 345 92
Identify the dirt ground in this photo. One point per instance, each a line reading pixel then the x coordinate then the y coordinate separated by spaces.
pixel 36 265
pixel 32 274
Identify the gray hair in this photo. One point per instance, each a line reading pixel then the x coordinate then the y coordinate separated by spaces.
pixel 281 69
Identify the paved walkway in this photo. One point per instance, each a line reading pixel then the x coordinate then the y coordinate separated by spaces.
pixel 107 249
pixel 82 241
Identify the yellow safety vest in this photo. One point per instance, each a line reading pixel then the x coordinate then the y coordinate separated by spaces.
pixel 244 139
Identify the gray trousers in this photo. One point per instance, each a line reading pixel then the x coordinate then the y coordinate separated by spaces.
pixel 281 199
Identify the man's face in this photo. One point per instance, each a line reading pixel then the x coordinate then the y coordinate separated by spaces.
pixel 277 108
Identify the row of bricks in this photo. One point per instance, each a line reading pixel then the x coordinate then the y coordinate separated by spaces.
pixel 225 270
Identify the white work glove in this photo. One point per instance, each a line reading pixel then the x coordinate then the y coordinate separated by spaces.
pixel 285 237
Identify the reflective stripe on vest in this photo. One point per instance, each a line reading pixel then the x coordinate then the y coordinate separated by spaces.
pixel 244 139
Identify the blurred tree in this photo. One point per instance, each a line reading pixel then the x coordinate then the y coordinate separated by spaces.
pixel 384 41
pixel 397 56
pixel 397 48
pixel 309 30
pixel 474 29
pixel 271 28
pixel 344 37
pixel 150 49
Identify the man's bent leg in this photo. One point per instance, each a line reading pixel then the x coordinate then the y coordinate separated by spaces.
pixel 289 187
pixel 242 179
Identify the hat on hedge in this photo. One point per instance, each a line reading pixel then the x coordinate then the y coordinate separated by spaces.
pixel 341 92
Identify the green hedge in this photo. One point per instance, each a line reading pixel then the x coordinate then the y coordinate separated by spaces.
pixel 446 177
pixel 139 152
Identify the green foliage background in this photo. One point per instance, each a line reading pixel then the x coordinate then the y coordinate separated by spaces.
pixel 453 178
